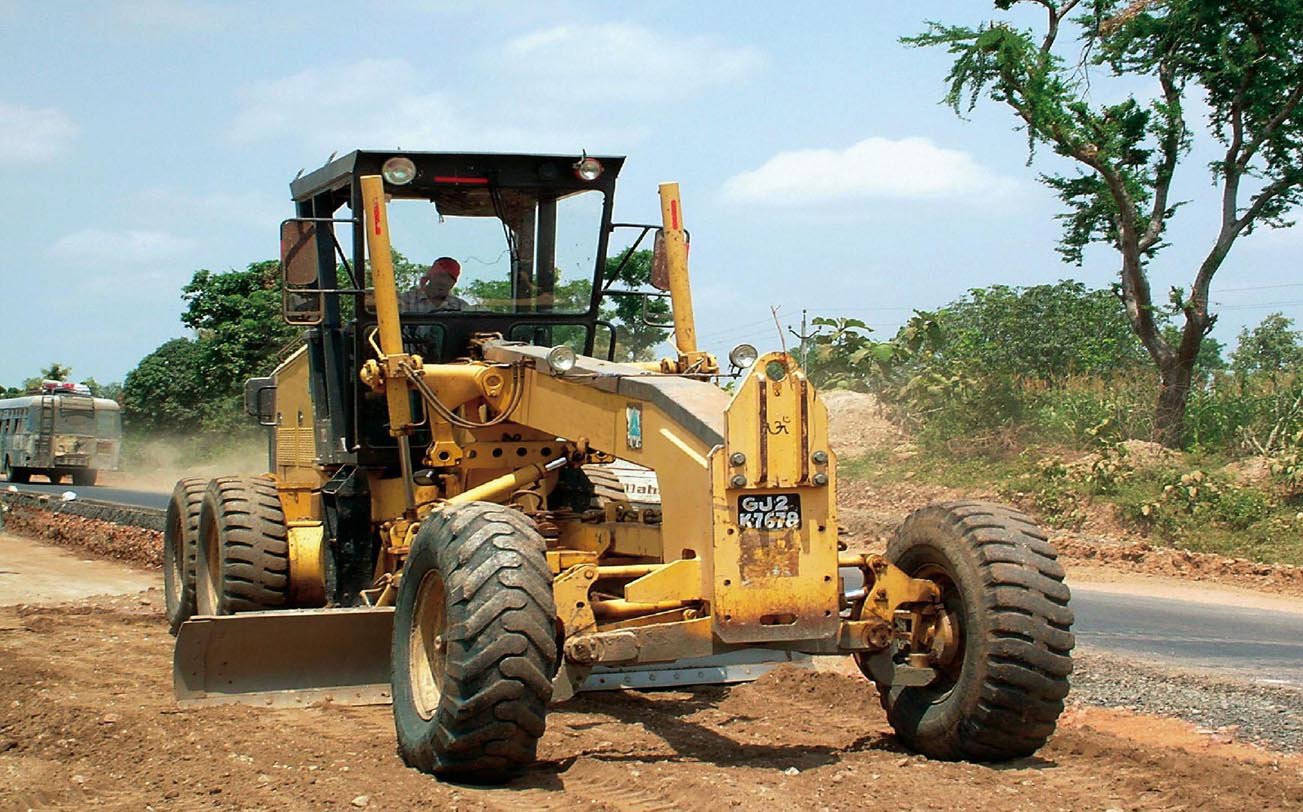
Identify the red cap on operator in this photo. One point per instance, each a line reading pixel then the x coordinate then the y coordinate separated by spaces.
pixel 447 265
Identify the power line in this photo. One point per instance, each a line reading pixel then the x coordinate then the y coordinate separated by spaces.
pixel 1264 287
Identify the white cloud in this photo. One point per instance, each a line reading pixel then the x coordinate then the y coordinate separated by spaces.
pixel 881 168
pixel 622 61
pixel 94 247
pixel 385 103
pixel 29 134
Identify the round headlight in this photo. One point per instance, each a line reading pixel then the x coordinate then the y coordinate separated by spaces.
pixel 399 171
pixel 561 358
pixel 743 356
pixel 588 168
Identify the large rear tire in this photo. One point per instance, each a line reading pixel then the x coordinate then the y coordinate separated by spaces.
pixel 85 477
pixel 180 541
pixel 1002 690
pixel 474 646
pixel 243 561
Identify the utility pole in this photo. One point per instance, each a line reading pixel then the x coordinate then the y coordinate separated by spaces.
pixel 805 339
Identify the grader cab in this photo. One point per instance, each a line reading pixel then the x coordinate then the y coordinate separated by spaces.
pixel 444 523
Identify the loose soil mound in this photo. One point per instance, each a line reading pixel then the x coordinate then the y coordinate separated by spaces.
pixel 856 424
pixel 134 545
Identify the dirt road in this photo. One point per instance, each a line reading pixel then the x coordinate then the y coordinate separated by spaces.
pixel 87 721
pixel 31 572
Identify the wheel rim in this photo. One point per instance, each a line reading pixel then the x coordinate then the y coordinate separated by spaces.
pixel 206 582
pixel 427 650
pixel 952 663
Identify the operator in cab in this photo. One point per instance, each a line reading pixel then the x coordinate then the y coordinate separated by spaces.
pixel 433 292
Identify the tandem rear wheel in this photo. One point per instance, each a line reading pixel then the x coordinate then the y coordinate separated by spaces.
pixel 242 563
pixel 474 644
pixel 180 541
pixel 1001 689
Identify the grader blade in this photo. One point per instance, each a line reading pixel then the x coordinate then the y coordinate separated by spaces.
pixel 286 658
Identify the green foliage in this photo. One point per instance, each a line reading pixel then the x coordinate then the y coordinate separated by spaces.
pixel 636 340
pixel 166 392
pixel 188 386
pixel 1045 332
pixel 1195 497
pixel 843 355
pixel 1287 466
pixel 1273 346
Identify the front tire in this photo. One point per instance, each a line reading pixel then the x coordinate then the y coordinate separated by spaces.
pixel 474 644
pixel 243 560
pixel 1001 693
pixel 180 541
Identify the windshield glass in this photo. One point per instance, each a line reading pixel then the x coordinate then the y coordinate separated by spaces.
pixel 496 250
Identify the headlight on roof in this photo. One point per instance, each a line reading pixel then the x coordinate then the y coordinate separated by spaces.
pixel 588 168
pixel 398 170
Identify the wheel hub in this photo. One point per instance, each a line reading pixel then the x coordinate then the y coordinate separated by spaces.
pixel 427 649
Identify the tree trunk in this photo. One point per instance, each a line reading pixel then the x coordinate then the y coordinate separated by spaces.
pixel 1174 380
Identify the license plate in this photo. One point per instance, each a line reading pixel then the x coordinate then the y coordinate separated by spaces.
pixel 771 511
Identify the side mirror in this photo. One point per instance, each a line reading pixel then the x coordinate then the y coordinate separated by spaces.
pixel 260 400
pixel 660 267
pixel 302 301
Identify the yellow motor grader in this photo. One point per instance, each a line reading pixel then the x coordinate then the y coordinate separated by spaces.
pixel 447 524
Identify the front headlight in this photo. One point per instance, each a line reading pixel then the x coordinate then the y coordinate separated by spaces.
pixel 743 356
pixel 561 359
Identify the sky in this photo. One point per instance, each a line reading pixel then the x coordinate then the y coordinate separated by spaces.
pixel 142 140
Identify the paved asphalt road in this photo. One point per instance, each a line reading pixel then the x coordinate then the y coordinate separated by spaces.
pixel 146 499
pixel 1263 645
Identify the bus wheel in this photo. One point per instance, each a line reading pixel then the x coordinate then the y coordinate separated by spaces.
pixel 85 477
pixel 15 474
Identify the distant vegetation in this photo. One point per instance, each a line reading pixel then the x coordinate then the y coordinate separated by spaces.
pixel 1039 392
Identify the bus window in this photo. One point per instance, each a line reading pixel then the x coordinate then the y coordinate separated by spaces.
pixel 79 419
pixel 108 424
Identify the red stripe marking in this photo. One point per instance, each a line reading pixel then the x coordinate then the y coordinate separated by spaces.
pixel 674 215
pixel 375 216
pixel 456 179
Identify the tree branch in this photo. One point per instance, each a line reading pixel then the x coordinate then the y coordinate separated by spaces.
pixel 1167 167
pixel 1286 110
pixel 1056 16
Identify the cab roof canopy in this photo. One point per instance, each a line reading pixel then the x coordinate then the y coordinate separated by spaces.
pixel 437 171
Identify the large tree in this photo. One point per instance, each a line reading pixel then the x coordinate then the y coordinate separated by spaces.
pixel 1240 59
